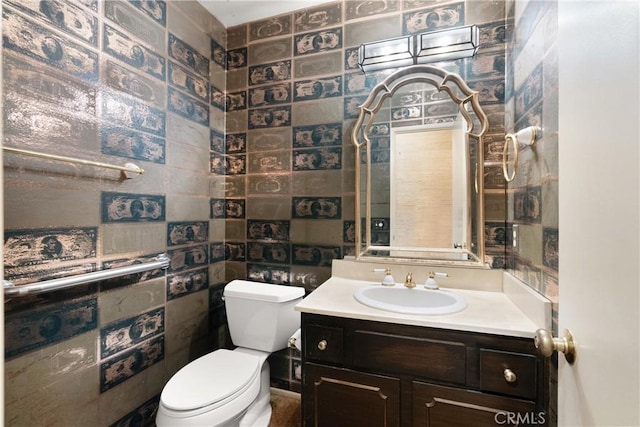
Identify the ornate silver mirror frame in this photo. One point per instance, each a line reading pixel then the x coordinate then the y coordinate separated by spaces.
pixel 471 253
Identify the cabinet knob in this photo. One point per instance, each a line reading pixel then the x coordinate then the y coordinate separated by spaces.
pixel 510 376
pixel 322 345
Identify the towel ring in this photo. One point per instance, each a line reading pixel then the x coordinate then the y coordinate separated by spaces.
pixel 526 137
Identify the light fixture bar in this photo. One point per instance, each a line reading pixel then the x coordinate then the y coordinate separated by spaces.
pixel 434 46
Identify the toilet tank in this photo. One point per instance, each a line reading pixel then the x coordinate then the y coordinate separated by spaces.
pixel 261 315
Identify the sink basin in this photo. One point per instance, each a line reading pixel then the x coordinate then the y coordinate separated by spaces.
pixel 399 299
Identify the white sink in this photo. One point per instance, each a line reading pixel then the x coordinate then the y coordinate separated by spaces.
pixel 400 299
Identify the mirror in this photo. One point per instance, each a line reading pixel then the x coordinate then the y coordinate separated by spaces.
pixel 419 180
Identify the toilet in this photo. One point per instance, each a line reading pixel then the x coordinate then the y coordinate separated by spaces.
pixel 232 388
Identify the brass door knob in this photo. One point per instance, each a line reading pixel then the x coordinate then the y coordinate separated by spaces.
pixel 547 344
pixel 322 345
pixel 510 376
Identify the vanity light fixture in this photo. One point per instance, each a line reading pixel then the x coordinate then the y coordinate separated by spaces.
pixel 434 46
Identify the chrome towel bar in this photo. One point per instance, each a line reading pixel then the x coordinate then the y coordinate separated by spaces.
pixel 11 290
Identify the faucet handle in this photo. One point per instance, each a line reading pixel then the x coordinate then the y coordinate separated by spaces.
pixel 388 278
pixel 408 282
pixel 431 283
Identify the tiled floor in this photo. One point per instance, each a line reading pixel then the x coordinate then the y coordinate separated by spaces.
pixel 286 410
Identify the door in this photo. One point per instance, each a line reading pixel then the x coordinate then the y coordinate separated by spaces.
pixel 598 206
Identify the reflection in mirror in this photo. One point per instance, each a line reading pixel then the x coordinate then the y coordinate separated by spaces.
pixel 419 192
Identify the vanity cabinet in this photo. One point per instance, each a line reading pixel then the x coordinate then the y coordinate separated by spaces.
pixel 366 373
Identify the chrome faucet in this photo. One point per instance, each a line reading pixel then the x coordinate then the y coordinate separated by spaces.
pixel 408 282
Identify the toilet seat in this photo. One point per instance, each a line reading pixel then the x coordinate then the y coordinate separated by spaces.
pixel 211 381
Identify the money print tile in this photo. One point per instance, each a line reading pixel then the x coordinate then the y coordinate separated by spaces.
pixel 124 80
pixel 185 232
pixel 192 84
pixel 127 50
pixel 361 9
pixel 235 251
pixel 317 159
pixel 132 207
pixel 272 27
pixel 182 284
pixel 26 331
pixel 188 107
pixel 236 58
pixel 317 41
pixel 188 57
pixel 270 117
pixel 127 333
pixel 135 22
pixel 124 366
pixel 270 253
pixel 265 96
pixel 316 207
pixel 318 17
pixel 123 142
pixel 127 112
pixel 278 275
pixel 235 143
pixel 156 9
pixel 188 258
pixel 432 19
pixel 30 39
pixel 315 255
pixel 317 88
pixel 268 230
pixel 269 73
pixel 218 54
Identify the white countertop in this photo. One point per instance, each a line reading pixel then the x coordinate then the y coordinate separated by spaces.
pixel 487 311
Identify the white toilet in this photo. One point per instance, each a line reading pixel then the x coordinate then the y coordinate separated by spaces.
pixel 232 388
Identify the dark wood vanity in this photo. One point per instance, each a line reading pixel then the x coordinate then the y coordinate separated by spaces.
pixel 369 373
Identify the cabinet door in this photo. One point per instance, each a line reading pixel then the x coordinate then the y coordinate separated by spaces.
pixel 436 406
pixel 335 397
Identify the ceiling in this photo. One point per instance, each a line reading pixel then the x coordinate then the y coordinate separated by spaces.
pixel 235 12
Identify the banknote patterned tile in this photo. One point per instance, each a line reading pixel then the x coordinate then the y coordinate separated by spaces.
pixel 188 258
pixel 434 18
pixel 380 143
pixel 533 117
pixel 235 251
pixel 270 117
pixel 315 255
pixel 528 205
pixel 352 106
pixel 32 329
pixel 218 54
pixel 404 113
pixel 227 208
pixel 185 232
pixel 495 234
pixel 124 80
pixel 270 183
pixel 126 333
pixel 326 87
pixel 217 161
pixel 351 59
pixel 218 98
pixel 44 85
pixel 490 91
pixel 265 96
pixel 122 47
pixel 318 17
pixel 216 296
pixel 358 83
pixel 188 56
pixel 349 231
pixel 123 142
pixel 270 253
pixel 235 164
pixel 380 156
pixel 144 414
pixel 216 141
pixel 181 284
pixel 313 65
pixel 136 23
pixel 362 9
pixel 486 66
pixel 317 135
pixel 316 207
pixel 268 274
pixel 269 51
pixel 317 41
pixel 235 101
pixel 23 276
pixel 23 248
pixel 550 247
pixel 271 161
pixel 194 85
pixel 188 107
pixel 125 111
pixel 129 363
pixel 131 207
pixel 530 93
pixel 317 159
pixel 30 39
pixel 67 17
pixel 268 230
pixel 272 27
pixel 156 9
pixel 234 186
pixel 269 73
pixel 493 34
pixel 236 58
pixel 235 143
pixel 216 252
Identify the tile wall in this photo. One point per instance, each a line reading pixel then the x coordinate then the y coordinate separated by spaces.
pixel 115 82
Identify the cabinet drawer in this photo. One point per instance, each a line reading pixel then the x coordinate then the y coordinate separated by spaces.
pixel 421 357
pixel 508 373
pixel 323 343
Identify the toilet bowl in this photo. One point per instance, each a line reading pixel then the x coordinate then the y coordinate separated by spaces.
pixel 232 388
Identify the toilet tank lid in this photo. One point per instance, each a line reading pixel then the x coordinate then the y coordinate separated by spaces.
pixel 262 291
